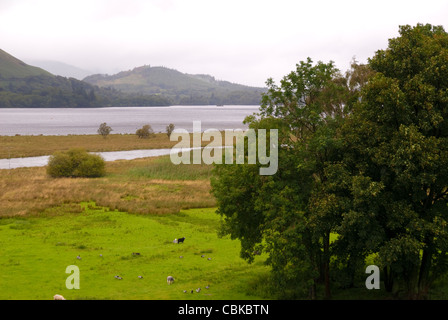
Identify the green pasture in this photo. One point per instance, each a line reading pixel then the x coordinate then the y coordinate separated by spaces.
pixel 35 252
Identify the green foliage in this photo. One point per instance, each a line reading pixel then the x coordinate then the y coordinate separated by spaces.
pixel 292 214
pixel 75 163
pixel 104 130
pixel 364 156
pixel 145 132
pixel 48 91
pixel 397 141
pixel 169 129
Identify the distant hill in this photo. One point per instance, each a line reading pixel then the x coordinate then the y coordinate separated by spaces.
pixel 61 69
pixel 25 86
pixel 11 67
pixel 180 88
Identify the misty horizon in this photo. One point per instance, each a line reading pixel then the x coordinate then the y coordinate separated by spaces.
pixel 244 42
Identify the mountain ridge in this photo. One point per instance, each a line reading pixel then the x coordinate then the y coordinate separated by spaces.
pixel 23 85
pixel 180 88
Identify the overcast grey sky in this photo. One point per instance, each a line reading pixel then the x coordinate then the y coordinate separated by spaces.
pixel 243 41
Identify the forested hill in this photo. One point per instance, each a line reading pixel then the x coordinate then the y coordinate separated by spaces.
pixel 25 86
pixel 180 88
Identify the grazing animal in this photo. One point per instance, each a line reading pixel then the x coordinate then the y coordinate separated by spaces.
pixel 58 297
pixel 169 279
pixel 78 257
pixel 175 241
pixel 181 240
pixel 207 287
pixel 135 253
pixel 198 290
pixel 118 277
pixel 180 257
pixel 209 258
pixel 140 277
pixel 203 256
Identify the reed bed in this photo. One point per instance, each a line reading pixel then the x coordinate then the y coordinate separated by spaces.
pixel 141 186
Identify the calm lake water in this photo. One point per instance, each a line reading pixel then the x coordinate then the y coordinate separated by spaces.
pixel 66 121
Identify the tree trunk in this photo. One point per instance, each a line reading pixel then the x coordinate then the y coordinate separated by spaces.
pixel 326 265
pixel 423 277
pixel 312 292
pixel 388 279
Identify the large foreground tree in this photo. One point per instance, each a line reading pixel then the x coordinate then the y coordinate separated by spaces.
pixel 294 212
pixel 396 147
pixel 362 172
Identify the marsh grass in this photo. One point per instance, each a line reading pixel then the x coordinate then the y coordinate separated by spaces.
pixel 162 168
pixel 141 186
pixel 33 146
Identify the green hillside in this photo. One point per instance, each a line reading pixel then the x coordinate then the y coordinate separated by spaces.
pixel 25 86
pixel 179 87
pixel 11 67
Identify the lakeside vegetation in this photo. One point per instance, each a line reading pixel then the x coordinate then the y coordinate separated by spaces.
pixel 141 186
pixel 33 146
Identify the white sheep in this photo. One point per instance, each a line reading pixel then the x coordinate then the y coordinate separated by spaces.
pixel 169 279
pixel 58 297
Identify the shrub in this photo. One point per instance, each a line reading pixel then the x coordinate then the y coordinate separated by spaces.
pixel 76 163
pixel 169 129
pixel 145 132
pixel 104 130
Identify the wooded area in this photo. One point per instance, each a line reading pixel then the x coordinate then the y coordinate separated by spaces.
pixel 363 173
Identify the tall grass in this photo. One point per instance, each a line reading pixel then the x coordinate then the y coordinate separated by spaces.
pixel 32 146
pixel 162 168
pixel 143 186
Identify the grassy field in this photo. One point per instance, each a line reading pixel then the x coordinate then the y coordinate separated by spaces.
pixel 33 146
pixel 35 251
pixel 140 206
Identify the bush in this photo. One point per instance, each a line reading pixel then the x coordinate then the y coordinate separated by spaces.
pixel 145 132
pixel 169 129
pixel 104 130
pixel 76 163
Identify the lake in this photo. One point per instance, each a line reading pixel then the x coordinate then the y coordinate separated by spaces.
pixel 65 121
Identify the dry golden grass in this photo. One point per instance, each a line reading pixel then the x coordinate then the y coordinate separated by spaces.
pixel 32 146
pixel 28 191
